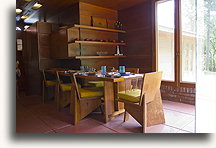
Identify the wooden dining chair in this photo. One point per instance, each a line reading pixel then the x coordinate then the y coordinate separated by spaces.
pixel 49 80
pixel 145 104
pixel 63 89
pixel 132 70
pixel 83 100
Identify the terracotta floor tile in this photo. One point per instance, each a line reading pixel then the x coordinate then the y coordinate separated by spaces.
pixel 177 119
pixel 27 123
pixel 182 131
pixel 35 117
pixel 86 126
pixel 161 129
pixel 180 107
pixel 190 127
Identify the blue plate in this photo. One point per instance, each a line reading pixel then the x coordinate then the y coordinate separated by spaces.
pixel 125 74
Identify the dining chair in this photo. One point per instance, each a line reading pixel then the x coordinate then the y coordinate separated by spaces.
pixel 83 100
pixel 63 89
pixel 132 70
pixel 49 81
pixel 145 104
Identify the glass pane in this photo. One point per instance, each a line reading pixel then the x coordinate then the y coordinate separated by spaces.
pixel 188 40
pixel 165 39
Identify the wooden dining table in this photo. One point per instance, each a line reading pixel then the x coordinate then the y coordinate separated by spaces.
pixel 111 87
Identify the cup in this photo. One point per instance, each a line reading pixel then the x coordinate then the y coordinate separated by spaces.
pixel 103 70
pixel 82 68
pixel 121 69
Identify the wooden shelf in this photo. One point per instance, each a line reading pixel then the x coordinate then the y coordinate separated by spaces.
pixel 99 57
pixel 99 43
pixel 97 28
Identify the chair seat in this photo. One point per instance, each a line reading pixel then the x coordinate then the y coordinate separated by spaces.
pixel 130 95
pixel 84 92
pixel 96 83
pixel 90 93
pixel 50 83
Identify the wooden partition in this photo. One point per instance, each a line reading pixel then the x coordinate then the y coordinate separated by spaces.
pixel 137 21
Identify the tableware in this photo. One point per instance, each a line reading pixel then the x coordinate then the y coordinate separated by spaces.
pixel 103 70
pixel 121 69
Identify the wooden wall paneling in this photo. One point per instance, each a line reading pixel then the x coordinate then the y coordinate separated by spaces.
pixel 44 45
pixel 59 44
pixel 73 50
pixel 97 63
pixel 31 60
pixel 67 16
pixel 92 10
pixel 91 50
pixel 72 34
pixel 137 21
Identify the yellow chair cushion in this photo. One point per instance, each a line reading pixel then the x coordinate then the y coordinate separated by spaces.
pixel 96 83
pixel 89 93
pixel 130 95
pixel 50 83
pixel 67 86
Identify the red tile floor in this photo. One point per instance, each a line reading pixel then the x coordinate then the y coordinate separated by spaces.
pixel 34 117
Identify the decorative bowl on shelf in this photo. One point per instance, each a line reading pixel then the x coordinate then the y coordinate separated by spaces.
pixel 101 53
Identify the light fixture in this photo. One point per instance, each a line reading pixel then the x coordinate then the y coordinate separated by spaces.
pixel 24 17
pixel 28 0
pixel 36 6
pixel 18 11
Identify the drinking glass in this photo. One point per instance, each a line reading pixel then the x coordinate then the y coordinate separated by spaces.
pixel 103 70
pixel 121 69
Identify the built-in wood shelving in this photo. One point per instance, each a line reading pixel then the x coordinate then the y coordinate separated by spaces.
pixel 99 57
pixel 97 28
pixel 100 43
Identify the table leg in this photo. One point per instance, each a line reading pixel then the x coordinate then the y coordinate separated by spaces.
pixel 108 100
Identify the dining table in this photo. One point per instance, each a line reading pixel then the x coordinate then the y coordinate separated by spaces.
pixel 111 87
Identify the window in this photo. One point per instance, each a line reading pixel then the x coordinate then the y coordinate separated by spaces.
pixel 165 39
pixel 188 41
pixel 176 41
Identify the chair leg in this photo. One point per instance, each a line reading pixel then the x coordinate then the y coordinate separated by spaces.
pixel 126 116
pixel 43 93
pixel 144 124
pixel 101 109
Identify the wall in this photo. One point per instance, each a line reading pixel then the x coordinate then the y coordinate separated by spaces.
pixel 137 21
pixel 178 94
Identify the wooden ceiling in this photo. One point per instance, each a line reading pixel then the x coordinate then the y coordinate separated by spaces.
pixel 54 6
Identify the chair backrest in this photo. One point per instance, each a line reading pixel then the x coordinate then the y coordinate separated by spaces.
pixel 132 70
pixel 63 78
pixel 49 75
pixel 75 85
pixel 151 84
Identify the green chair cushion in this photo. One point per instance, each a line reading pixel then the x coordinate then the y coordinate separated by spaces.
pixel 50 83
pixel 130 95
pixel 96 83
pixel 89 93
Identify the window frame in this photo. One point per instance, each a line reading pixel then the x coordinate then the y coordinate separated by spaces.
pixel 177 45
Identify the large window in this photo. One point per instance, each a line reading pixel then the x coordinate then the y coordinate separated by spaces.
pixel 165 39
pixel 176 40
pixel 188 40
